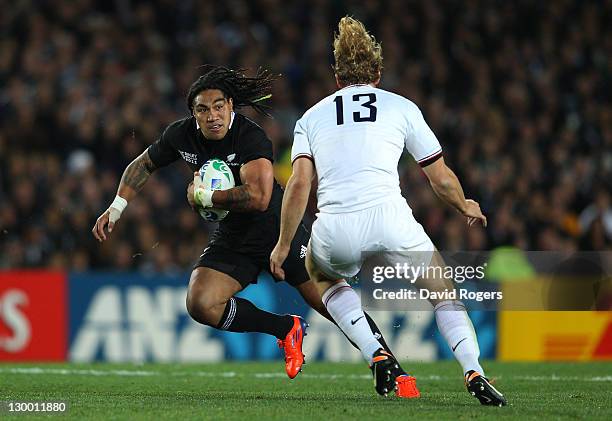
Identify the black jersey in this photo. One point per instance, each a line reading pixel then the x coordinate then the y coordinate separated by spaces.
pixel 245 232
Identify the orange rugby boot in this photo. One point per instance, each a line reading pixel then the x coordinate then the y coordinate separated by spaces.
pixel 292 345
pixel 406 387
pixel 389 376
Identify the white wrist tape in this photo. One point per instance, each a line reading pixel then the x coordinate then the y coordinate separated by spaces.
pixel 203 197
pixel 117 207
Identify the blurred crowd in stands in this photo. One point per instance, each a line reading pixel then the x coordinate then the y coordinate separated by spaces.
pixel 517 92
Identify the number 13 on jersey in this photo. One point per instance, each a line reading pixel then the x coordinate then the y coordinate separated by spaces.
pixel 366 101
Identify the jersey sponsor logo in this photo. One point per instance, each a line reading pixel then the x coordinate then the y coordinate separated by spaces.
pixel 192 158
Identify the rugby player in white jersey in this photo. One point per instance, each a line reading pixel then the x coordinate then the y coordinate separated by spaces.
pixel 352 141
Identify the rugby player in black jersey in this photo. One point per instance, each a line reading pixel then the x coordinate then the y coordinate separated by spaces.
pixel 240 248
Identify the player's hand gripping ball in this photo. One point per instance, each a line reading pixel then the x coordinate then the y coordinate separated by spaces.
pixel 215 174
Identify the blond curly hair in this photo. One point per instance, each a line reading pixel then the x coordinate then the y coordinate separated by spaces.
pixel 358 57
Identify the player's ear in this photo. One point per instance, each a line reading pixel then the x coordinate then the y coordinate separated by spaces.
pixel 377 81
pixel 230 102
pixel 338 84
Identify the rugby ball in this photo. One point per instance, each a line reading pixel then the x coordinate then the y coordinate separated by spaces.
pixel 215 174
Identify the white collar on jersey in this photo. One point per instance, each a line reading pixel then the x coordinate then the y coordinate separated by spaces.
pixel 231 122
pixel 355 85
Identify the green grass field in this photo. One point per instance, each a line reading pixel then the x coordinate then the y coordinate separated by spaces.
pixel 330 391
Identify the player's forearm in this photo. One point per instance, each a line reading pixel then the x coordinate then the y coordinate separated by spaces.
pixel 450 191
pixel 295 200
pixel 243 198
pixel 135 176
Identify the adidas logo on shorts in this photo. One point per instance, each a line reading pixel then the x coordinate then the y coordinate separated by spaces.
pixel 303 250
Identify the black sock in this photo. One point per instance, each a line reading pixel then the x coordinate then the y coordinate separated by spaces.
pixel 241 315
pixel 376 331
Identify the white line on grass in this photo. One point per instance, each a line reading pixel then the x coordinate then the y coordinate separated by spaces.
pixel 555 378
pixel 269 375
pixel 65 371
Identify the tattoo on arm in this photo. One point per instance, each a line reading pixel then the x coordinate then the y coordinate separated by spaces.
pixel 236 199
pixel 137 173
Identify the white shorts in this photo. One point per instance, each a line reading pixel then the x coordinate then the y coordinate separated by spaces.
pixel 338 240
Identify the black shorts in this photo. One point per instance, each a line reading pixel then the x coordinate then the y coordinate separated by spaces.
pixel 245 268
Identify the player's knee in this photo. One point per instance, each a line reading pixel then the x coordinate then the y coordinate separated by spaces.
pixel 205 306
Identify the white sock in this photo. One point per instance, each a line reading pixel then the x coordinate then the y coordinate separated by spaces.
pixel 344 305
pixel 456 327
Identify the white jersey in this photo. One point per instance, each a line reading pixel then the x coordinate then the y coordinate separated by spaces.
pixel 356 137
